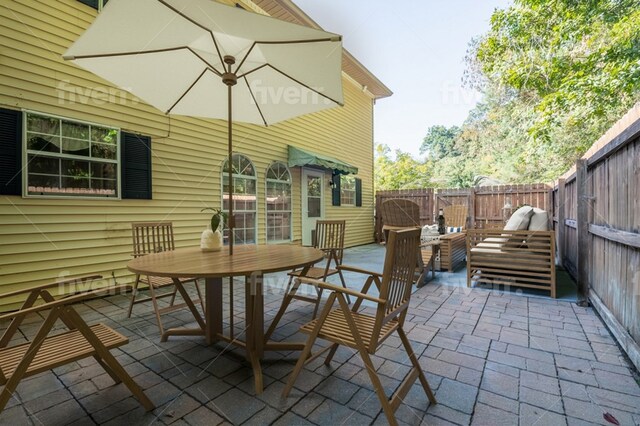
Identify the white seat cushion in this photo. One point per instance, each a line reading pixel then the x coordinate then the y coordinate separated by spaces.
pixel 539 221
pixel 519 221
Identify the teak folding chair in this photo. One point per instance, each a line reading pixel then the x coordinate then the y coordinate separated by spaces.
pixel 364 332
pixel 156 237
pixel 45 352
pixel 329 237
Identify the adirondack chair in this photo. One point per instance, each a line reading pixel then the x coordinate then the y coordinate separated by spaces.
pixel 455 216
pixel 49 349
pixel 364 332
pixel 402 214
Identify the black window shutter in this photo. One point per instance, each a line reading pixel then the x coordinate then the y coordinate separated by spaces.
pixel 136 166
pixel 335 191
pixel 358 192
pixel 90 3
pixel 10 152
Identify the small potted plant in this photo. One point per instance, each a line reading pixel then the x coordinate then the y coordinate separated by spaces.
pixel 211 239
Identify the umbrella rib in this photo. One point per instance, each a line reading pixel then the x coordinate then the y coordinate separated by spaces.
pixel 252 70
pixel 304 85
pixel 187 91
pixel 255 101
pixel 148 52
pixel 202 27
pixel 317 40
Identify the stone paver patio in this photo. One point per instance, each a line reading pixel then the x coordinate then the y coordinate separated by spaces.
pixel 492 358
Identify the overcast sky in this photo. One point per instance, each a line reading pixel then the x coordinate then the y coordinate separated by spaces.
pixel 417 49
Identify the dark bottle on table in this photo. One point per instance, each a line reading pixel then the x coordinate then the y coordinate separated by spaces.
pixel 441 228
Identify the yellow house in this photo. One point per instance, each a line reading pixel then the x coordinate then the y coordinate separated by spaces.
pixel 62 215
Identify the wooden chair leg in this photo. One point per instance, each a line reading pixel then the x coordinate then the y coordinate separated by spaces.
pixel 366 359
pixel 109 359
pixel 134 293
pixel 332 352
pixel 292 288
pixel 12 382
pixel 197 284
pixel 156 309
pixel 304 356
pixel 416 365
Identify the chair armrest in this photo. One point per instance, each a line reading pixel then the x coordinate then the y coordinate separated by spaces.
pixel 52 284
pixel 66 301
pixel 339 289
pixel 359 270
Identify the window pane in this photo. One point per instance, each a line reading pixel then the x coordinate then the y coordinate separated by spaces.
pixel 75 169
pixel 101 150
pixel 43 183
pixel 75 182
pixel 75 147
pixel 44 143
pixel 40 124
pixel 313 186
pixel 313 207
pixel 44 165
pixel 104 135
pixel 75 130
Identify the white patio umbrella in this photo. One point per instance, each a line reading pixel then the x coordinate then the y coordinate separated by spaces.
pixel 188 57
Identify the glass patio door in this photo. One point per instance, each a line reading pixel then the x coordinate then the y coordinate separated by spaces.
pixel 312 203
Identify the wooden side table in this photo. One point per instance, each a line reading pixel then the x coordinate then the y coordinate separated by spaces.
pixel 453 249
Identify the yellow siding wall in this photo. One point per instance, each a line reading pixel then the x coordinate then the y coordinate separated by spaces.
pixel 41 239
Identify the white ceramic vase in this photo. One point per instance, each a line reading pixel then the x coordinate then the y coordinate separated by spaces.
pixel 211 240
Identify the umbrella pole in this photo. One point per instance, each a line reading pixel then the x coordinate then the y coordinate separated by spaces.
pixel 230 79
pixel 230 149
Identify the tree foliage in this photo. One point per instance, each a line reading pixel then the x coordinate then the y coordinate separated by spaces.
pixel 555 74
pixel 399 170
pixel 440 142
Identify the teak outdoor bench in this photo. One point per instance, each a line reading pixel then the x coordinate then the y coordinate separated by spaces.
pixel 45 352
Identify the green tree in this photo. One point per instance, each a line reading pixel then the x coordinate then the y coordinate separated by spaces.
pixel 440 142
pixel 399 170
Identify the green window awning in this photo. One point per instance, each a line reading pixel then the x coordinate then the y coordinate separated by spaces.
pixel 299 157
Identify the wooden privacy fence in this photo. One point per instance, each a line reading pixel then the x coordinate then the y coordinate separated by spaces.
pixel 491 206
pixel 597 215
pixel 488 206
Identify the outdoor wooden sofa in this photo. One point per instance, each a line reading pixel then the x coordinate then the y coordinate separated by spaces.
pixel 522 258
pixel 51 347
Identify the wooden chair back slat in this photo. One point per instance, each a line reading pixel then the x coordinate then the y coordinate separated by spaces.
pixel 152 237
pixel 397 277
pixel 399 212
pixel 455 215
pixel 330 237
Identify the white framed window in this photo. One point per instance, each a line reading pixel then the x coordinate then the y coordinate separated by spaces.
pixel 69 158
pixel 347 190
pixel 244 198
pixel 278 194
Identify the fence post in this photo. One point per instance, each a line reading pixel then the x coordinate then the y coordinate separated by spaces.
pixel 582 228
pixel 561 215
pixel 472 208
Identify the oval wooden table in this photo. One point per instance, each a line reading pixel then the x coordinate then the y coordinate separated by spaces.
pixel 249 261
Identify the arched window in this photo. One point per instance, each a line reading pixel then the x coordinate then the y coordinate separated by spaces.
pixel 244 198
pixel 278 203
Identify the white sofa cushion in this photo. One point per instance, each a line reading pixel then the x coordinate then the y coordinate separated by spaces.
pixel 539 221
pixel 519 221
